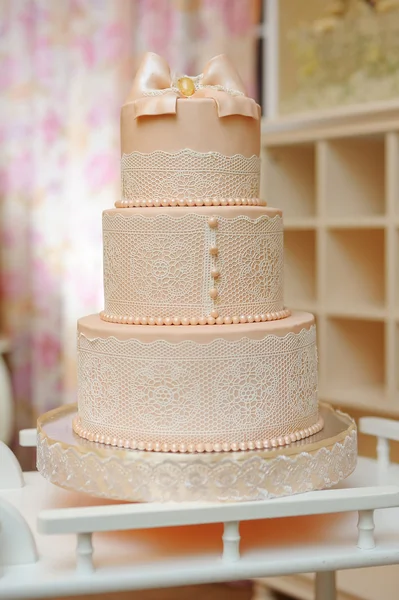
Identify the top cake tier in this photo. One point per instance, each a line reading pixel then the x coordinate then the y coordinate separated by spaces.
pixel 189 141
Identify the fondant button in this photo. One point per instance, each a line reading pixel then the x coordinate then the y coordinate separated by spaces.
pixel 213 222
pixel 213 293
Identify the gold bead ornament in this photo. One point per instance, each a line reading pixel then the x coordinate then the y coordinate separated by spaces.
pixel 186 86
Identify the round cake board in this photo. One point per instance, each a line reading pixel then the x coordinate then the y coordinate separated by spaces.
pixel 73 463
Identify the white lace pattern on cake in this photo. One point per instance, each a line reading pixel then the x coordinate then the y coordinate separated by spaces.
pixel 188 175
pixel 161 266
pixel 198 393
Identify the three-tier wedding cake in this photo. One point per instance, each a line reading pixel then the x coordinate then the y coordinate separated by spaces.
pixel 195 350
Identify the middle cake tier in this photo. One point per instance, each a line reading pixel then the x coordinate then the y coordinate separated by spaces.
pixel 193 266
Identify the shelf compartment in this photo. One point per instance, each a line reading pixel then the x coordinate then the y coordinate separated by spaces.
pixel 296 223
pixel 304 306
pixel 354 363
pixel 397 360
pixel 290 179
pixel 396 275
pixel 300 268
pixel 373 399
pixel 365 313
pixel 359 222
pixel 393 171
pixel 355 268
pixel 355 177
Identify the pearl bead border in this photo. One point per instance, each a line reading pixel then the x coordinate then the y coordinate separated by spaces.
pixel 145 203
pixel 213 319
pixel 269 444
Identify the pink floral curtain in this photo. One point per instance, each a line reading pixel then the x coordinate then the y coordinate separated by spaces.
pixel 65 69
pixel 189 32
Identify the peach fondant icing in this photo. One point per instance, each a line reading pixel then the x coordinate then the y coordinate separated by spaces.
pixel 191 244
pixel 196 125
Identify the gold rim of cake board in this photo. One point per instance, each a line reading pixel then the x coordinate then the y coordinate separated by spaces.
pixel 73 463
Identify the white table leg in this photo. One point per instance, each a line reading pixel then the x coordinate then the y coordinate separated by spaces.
pixel 231 541
pixel 383 452
pixel 84 553
pixel 325 586
pixel 365 540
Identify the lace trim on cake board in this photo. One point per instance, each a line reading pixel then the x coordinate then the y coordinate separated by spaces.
pixel 251 478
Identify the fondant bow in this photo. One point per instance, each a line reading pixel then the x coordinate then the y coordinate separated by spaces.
pixel 155 92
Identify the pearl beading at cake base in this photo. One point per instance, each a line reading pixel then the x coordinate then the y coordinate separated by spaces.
pixel 213 319
pixel 144 203
pixel 197 448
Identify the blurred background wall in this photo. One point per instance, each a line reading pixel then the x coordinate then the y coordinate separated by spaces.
pixel 336 53
pixel 65 70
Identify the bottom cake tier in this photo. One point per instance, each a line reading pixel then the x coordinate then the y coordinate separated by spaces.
pixel 196 389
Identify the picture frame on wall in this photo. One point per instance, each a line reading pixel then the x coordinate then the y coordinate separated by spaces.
pixel 324 57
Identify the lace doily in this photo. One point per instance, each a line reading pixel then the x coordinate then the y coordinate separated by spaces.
pixel 163 266
pixel 189 393
pixel 188 175
pixel 155 478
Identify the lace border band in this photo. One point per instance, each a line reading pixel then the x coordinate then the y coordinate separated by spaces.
pixel 213 319
pixel 188 174
pixel 197 448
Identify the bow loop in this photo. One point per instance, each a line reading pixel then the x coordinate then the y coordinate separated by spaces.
pixel 154 93
pixel 220 72
pixel 152 74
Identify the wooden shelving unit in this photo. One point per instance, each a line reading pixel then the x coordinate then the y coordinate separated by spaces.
pixel 354 177
pixel 396 383
pixel 300 266
pixel 396 274
pixel 338 184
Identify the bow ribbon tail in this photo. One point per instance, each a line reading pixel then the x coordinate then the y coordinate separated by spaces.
pixel 229 104
pixel 162 104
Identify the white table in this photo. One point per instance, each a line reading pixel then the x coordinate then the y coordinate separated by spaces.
pixel 48 534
